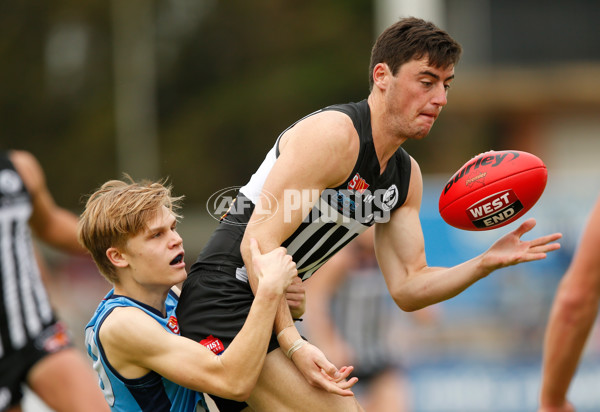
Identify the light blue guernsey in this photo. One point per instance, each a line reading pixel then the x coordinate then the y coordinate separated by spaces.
pixel 152 392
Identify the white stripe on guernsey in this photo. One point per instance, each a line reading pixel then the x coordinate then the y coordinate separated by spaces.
pixel 94 354
pixel 365 312
pixel 25 256
pixel 241 274
pixel 253 188
pixel 354 317
pixel 39 290
pixel 11 295
pixel 328 215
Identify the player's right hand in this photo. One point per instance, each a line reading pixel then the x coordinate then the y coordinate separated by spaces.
pixel 295 295
pixel 319 372
pixel 275 269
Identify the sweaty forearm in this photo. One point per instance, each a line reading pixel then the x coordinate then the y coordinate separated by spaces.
pixel 245 355
pixel 431 285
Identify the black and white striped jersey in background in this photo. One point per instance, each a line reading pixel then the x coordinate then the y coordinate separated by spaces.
pixel 338 216
pixel 24 306
pixel 368 320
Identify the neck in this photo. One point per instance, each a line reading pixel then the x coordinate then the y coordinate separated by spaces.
pixel 386 142
pixel 149 296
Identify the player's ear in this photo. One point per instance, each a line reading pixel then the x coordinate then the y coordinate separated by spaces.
pixel 381 73
pixel 116 257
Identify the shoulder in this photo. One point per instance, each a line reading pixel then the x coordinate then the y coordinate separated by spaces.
pixel 326 142
pixel 415 187
pixel 410 185
pixel 117 326
pixel 415 169
pixel 328 127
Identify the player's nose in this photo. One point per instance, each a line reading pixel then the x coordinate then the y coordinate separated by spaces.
pixel 440 97
pixel 176 239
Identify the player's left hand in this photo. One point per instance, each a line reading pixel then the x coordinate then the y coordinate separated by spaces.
pixel 511 250
pixel 296 298
pixel 321 373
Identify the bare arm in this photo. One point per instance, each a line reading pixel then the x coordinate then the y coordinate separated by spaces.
pixel 50 222
pixel 572 316
pixel 317 153
pixel 400 249
pixel 233 374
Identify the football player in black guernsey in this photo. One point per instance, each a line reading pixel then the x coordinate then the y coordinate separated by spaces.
pixel 329 177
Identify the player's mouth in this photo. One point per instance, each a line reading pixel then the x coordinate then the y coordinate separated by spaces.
pixel 428 118
pixel 177 260
pixel 430 115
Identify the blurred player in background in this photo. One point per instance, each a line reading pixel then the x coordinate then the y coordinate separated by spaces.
pixel 332 175
pixel 351 317
pixel 143 363
pixel 35 348
pixel 572 316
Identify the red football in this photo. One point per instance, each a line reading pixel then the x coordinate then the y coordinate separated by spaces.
pixel 492 190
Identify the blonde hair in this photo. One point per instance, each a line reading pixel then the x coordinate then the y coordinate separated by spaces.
pixel 117 211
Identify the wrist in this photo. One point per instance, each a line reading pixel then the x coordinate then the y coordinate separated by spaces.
pixel 265 292
pixel 287 337
pixel 483 268
pixel 295 346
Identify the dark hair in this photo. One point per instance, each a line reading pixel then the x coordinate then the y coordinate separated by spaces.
pixel 413 38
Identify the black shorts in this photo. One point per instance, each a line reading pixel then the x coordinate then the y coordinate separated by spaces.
pixel 215 303
pixel 15 366
pixel 212 309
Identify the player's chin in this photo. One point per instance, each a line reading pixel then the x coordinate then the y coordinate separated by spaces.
pixel 419 134
pixel 422 129
pixel 180 274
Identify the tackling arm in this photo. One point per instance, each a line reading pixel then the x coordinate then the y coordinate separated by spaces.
pixel 135 351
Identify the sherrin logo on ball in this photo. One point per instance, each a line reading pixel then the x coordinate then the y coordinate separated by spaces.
pixel 492 190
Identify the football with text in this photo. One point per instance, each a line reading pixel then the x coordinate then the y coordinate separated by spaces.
pixel 492 190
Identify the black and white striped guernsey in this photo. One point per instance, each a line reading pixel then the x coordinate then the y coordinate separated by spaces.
pixel 340 214
pixel 24 306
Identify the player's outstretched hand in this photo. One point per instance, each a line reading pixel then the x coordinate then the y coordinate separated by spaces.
pixel 275 269
pixel 296 298
pixel 510 249
pixel 321 373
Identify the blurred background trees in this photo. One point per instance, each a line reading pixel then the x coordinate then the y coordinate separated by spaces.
pixel 229 77
pixel 214 82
